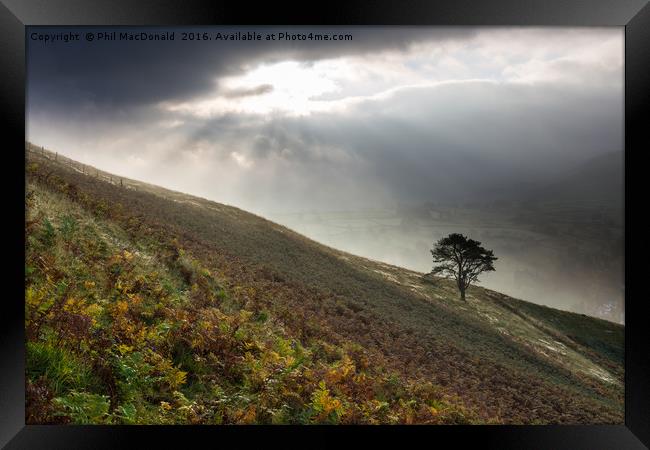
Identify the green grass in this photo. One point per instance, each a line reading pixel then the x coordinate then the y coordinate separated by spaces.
pixel 604 337
pixel 60 367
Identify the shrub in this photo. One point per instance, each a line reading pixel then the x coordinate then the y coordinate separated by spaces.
pixel 68 227
pixel 326 408
pixel 83 408
pixel 48 234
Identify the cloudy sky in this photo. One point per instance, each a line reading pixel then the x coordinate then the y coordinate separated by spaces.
pixel 402 114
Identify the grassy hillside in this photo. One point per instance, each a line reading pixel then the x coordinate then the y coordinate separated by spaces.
pixel 145 305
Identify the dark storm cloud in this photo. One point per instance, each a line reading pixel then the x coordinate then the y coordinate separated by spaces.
pixel 120 74
pixel 445 141
pixel 238 93
pixel 452 142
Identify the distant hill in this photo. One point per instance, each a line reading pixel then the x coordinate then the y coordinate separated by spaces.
pixel 145 305
pixel 599 181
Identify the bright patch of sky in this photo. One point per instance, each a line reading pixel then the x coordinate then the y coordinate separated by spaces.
pixel 295 88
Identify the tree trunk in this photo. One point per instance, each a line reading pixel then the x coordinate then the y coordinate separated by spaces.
pixel 462 295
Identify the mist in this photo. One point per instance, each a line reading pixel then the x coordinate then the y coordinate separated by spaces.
pixel 378 146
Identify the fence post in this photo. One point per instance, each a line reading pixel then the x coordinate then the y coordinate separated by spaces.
pixel 121 185
pixel 56 156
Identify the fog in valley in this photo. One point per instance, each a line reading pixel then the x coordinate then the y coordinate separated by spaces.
pixel 377 146
pixel 565 257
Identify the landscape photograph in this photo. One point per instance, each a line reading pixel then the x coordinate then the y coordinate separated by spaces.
pixel 324 225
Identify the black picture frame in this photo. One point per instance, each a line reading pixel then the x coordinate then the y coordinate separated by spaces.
pixel 634 15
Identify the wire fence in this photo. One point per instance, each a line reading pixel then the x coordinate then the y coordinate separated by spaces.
pixel 84 169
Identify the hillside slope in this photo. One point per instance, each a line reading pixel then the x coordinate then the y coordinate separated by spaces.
pixel 215 315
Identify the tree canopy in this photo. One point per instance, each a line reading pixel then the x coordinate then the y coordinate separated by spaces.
pixel 461 258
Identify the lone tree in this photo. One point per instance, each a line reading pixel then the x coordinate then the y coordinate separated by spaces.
pixel 461 258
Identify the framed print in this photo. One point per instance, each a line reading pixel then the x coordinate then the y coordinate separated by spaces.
pixel 383 220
